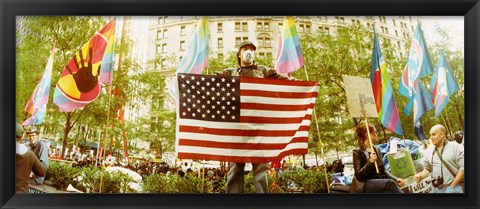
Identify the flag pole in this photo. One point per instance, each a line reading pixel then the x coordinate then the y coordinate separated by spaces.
pixel 370 140
pixel 107 87
pixel 368 132
pixel 319 138
pixel 447 122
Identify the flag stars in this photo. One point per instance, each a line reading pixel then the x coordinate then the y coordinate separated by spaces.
pixel 203 78
pixel 213 79
pixel 218 94
pixel 208 83
pixel 218 84
pixel 183 85
pixel 228 112
pixel 183 76
pixel 233 99
pixel 223 117
pixel 218 102
pixel 223 80
pixel 228 102
pixel 193 78
pixel 213 107
pixel 228 84
pixel 233 80
pixel 187 81
pixel 223 98
pixel 233 107
pixel 233 117
pixel 198 83
pixel 203 115
pixel 223 89
pixel 228 94
pixel 233 90
pixel 193 114
pixel 223 107
pixel 184 113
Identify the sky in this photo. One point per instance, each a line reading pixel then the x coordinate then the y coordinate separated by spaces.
pixel 453 24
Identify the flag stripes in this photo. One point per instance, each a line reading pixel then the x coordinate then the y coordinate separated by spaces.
pixel 273 120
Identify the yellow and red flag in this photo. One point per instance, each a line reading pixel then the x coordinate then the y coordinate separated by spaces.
pixel 79 82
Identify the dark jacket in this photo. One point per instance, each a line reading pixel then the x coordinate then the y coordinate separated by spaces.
pixel 365 170
pixel 256 71
pixel 25 164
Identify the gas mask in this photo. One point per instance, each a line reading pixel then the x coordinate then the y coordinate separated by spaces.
pixel 248 56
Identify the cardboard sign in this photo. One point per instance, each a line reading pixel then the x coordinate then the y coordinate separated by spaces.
pixel 423 186
pixel 360 100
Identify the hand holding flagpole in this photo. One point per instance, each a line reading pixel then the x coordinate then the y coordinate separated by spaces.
pixel 364 113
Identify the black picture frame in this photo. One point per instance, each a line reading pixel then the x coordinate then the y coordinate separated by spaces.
pixel 470 9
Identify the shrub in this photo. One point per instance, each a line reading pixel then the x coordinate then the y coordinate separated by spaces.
pixel 61 174
pixel 160 183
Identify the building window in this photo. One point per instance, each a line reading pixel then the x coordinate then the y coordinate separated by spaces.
pixel 165 33
pixel 382 19
pixel 241 26
pixel 159 34
pixel 394 23
pixel 162 64
pixel 324 29
pixel 182 30
pixel 280 27
pixel 219 27
pixel 244 26
pixel 162 19
pixel 263 26
pixel 182 45
pixel 340 19
pixel 305 28
pixel 220 42
pixel 396 33
pixel 398 44
pixel 239 40
pixel 159 49
pixel 220 56
pixel 264 41
pixel 164 48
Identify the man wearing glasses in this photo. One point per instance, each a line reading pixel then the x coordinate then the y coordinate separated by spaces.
pixel 40 150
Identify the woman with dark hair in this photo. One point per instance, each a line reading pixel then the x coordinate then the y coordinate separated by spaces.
pixel 364 158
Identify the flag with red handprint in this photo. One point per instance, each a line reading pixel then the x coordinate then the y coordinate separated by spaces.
pixel 79 84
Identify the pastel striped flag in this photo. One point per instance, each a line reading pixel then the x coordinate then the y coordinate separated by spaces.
pixel 382 91
pixel 79 83
pixel 195 59
pixel 289 54
pixel 37 104
pixel 443 84
pixel 106 69
pixel 242 119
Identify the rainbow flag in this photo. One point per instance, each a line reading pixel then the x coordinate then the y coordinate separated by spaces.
pixel 289 53
pixel 382 91
pixel 106 69
pixel 37 104
pixel 195 58
pixel 443 84
pixel 79 83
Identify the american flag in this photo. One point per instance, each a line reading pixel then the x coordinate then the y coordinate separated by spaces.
pixel 241 119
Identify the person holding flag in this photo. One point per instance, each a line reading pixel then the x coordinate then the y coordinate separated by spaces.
pixel 248 68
